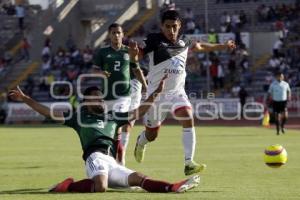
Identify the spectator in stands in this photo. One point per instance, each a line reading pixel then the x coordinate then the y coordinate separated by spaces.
pixel 212 36
pixel 243 94
pixel 87 57
pixel 46 65
pixel 232 67
pixel 46 51
pixel 268 80
pixel 235 90
pixel 244 64
pixel 189 14
pixel 70 44
pixel 271 14
pixel 25 46
pixel 214 73
pixel 236 21
pixel 262 12
pixel 190 27
pixel 2 65
pixel 243 18
pixel 277 47
pixel 168 5
pixel 238 38
pixel 221 75
pixel 59 58
pixel 29 85
pixel 274 63
pixel 9 8
pixel 225 22
pixel 20 14
pixel 45 82
pixel 283 67
pixel 7 57
pixel 72 73
pixel 3 107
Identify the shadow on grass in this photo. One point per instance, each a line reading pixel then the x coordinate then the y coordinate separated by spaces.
pixel 26 191
pixel 25 167
pixel 40 191
pixel 209 191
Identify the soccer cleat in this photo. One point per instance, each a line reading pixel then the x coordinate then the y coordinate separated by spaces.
pixel 283 130
pixel 62 186
pixel 186 185
pixel 193 168
pixel 139 151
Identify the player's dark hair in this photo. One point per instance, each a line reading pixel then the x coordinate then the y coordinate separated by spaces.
pixel 170 15
pixel 88 91
pixel 278 73
pixel 114 25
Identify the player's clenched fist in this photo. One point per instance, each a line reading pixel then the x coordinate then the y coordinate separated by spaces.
pixel 231 44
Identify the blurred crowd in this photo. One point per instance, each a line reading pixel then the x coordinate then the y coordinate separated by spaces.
pixel 65 63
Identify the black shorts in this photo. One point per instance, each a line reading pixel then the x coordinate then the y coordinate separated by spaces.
pixel 279 106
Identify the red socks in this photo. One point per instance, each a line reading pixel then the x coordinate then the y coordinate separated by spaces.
pixel 156 186
pixel 86 185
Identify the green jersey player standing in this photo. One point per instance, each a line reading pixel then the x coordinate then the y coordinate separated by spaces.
pixel 114 62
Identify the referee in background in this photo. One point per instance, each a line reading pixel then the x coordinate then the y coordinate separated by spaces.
pixel 279 94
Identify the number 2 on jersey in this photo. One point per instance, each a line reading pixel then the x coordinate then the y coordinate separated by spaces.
pixel 117 66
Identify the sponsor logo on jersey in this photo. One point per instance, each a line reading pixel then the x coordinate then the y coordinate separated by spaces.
pixel 108 56
pixel 177 63
pixel 173 71
pixel 126 56
pixel 181 43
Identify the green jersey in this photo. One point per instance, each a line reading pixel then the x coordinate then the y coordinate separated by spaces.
pixel 97 131
pixel 117 63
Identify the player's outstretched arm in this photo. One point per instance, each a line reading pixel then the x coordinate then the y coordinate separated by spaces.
pixel 140 77
pixel 18 95
pixel 144 107
pixel 207 47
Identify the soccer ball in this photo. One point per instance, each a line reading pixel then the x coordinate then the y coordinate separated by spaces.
pixel 275 156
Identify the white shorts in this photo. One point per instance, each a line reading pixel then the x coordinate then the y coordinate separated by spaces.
pixel 100 164
pixel 135 94
pixel 118 105
pixel 164 104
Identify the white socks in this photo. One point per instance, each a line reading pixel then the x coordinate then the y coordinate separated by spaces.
pixel 124 140
pixel 189 143
pixel 142 139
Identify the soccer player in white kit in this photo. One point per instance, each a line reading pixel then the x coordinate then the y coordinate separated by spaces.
pixel 280 94
pixel 167 52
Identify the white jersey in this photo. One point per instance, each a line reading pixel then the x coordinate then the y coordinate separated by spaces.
pixel 166 58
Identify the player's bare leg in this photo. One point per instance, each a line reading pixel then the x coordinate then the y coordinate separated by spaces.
pixel 151 185
pixel 120 150
pixel 149 135
pixel 100 183
pixel 185 117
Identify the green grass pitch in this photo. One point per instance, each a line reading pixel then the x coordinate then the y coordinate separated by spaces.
pixel 34 158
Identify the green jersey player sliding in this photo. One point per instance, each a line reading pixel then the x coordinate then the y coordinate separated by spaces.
pixel 97 132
